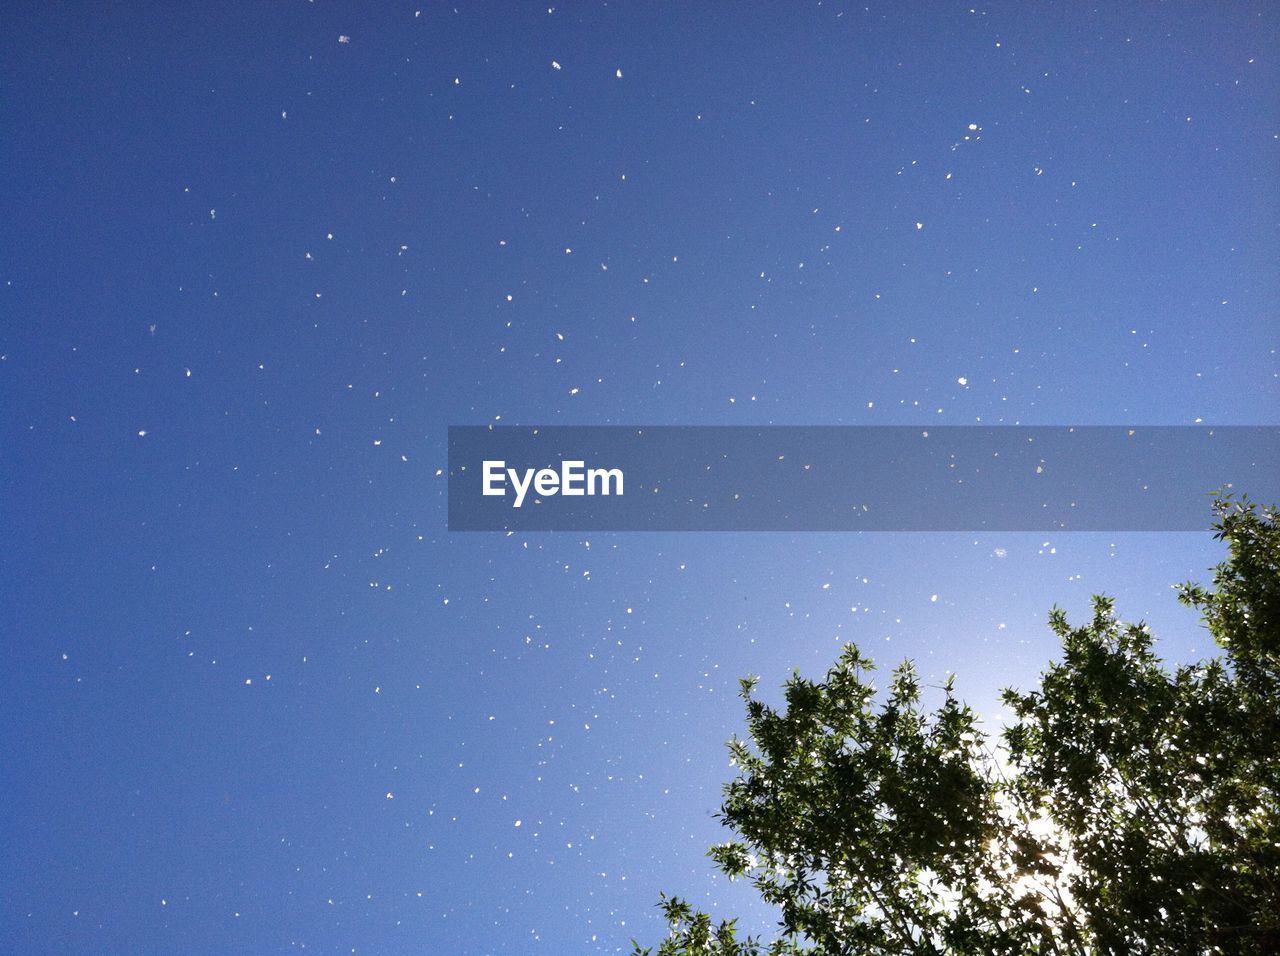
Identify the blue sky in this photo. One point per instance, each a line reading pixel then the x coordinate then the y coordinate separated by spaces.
pixel 256 698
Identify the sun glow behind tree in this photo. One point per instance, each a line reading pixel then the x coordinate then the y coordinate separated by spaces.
pixel 1126 808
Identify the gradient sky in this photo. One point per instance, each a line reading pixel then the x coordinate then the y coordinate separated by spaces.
pixel 254 259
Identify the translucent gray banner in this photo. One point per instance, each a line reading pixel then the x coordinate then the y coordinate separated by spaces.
pixel 873 478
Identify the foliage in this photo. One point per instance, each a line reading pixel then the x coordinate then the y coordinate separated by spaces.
pixel 1128 807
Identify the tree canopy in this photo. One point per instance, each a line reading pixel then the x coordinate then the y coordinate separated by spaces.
pixel 1128 806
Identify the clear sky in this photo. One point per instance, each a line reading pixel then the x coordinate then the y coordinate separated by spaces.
pixel 255 258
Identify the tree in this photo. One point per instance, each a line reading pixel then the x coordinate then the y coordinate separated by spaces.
pixel 1128 807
